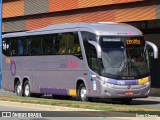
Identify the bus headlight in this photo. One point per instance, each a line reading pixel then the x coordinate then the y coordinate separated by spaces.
pixel 106 84
pixel 147 83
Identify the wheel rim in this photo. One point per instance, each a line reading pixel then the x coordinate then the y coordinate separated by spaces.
pixel 27 91
pixel 83 93
pixel 18 89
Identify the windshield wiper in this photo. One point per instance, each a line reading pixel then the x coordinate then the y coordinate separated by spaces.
pixel 123 69
pixel 122 65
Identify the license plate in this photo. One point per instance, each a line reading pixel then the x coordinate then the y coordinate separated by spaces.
pixel 129 93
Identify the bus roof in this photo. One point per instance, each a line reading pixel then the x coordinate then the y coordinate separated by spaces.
pixel 99 28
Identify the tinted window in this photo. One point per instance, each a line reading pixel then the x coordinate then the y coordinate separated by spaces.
pixel 90 50
pixel 23 48
pixel 88 36
pixel 53 44
pixel 91 55
pixel 15 46
pixel 35 43
pixel 6 47
pixel 68 44
pixel 48 45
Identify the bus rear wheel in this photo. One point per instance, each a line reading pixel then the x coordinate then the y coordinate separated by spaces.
pixel 82 93
pixel 27 92
pixel 18 88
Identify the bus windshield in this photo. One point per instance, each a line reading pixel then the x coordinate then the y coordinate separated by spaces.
pixel 124 57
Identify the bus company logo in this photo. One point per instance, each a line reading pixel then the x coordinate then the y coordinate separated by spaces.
pixel 129 87
pixel 13 67
pixel 135 42
pixel 72 64
pixel 5 46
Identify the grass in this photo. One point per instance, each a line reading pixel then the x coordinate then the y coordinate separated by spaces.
pixel 86 105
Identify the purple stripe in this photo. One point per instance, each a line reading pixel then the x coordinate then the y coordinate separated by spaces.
pixel 54 91
pixel 123 82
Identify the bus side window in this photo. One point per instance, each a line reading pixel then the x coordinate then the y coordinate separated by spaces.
pixel 75 46
pixel 35 45
pixel 20 47
pixel 14 47
pixel 6 47
pixel 90 50
pixel 68 44
pixel 57 44
pixel 91 55
pixel 48 45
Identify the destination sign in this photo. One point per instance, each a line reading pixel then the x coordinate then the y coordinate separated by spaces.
pixel 135 42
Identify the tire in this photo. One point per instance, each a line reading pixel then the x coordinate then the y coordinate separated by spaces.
pixel 82 93
pixel 27 92
pixel 18 88
pixel 126 101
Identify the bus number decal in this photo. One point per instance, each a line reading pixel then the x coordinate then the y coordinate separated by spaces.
pixel 72 64
pixel 121 82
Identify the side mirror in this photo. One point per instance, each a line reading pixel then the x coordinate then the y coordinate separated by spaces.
pixel 155 49
pixel 98 48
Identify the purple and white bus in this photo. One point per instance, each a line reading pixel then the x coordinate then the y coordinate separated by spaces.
pixel 85 60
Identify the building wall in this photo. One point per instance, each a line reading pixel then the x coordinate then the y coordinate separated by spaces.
pixel 21 15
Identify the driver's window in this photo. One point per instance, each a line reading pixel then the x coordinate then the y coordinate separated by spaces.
pixel 90 50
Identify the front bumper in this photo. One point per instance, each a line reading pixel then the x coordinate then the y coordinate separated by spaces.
pixel 119 91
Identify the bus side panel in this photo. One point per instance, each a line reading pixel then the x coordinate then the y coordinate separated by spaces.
pixel 6 82
pixel 51 75
pixel 82 72
pixel 24 69
pixel 8 72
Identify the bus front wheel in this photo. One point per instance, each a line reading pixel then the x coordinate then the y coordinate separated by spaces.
pixel 82 93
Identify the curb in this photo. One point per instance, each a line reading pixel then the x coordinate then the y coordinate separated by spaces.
pixel 42 107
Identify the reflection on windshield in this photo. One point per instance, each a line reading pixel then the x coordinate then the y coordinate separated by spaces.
pixel 137 56
pixel 124 56
pixel 112 57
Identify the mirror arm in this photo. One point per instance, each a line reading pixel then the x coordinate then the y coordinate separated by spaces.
pixel 98 48
pixel 155 49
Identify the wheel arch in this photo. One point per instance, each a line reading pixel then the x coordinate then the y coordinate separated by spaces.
pixel 80 81
pixel 26 78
